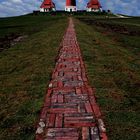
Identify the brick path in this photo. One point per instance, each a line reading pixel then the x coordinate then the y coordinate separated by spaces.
pixel 70 111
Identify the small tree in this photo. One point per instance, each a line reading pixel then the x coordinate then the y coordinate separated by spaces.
pixel 109 11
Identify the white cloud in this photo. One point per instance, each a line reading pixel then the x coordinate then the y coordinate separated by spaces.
pixel 16 1
pixel 128 7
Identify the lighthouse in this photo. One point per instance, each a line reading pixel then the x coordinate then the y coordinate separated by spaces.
pixel 47 6
pixel 70 6
pixel 94 6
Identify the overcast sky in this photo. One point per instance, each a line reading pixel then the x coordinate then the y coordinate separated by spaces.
pixel 20 7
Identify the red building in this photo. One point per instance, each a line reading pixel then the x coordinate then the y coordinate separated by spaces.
pixel 47 5
pixel 94 6
pixel 70 6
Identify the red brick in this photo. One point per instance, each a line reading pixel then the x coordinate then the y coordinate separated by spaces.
pixel 43 113
pixel 78 125
pixel 70 73
pixel 67 138
pixel 88 107
pixel 80 118
pixel 39 137
pixel 74 78
pixel 90 91
pixel 49 92
pixel 81 108
pixel 96 110
pixel 80 78
pixel 47 119
pixel 61 73
pixel 75 69
pixel 92 99
pixel 85 133
pixel 66 134
pixel 64 90
pixel 61 132
pixel 60 98
pixel 103 136
pixel 84 90
pixel 72 59
pixel 54 98
pixel 47 102
pixel 84 77
pixel 64 110
pixel 59 120
pixel 60 65
pixel 51 120
pixel 55 74
pixel 60 84
pixel 66 69
pixel 78 90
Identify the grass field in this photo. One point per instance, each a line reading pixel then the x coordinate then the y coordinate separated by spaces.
pixel 25 25
pixel 25 70
pixel 113 67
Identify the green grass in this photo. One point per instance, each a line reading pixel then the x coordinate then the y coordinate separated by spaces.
pixel 113 67
pixel 126 21
pixel 25 25
pixel 25 71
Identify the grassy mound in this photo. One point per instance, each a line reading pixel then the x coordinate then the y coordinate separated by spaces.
pixel 110 48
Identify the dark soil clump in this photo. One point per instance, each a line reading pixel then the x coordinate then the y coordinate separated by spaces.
pixel 10 40
pixel 122 29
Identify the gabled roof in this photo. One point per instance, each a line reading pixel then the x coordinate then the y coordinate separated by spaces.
pixel 47 4
pixel 70 2
pixel 94 4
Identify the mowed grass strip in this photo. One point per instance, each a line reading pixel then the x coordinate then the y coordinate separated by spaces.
pixel 114 70
pixel 25 71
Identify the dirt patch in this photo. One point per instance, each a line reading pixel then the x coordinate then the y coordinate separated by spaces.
pixel 10 40
pixel 12 26
pixel 122 29
pixel 116 96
